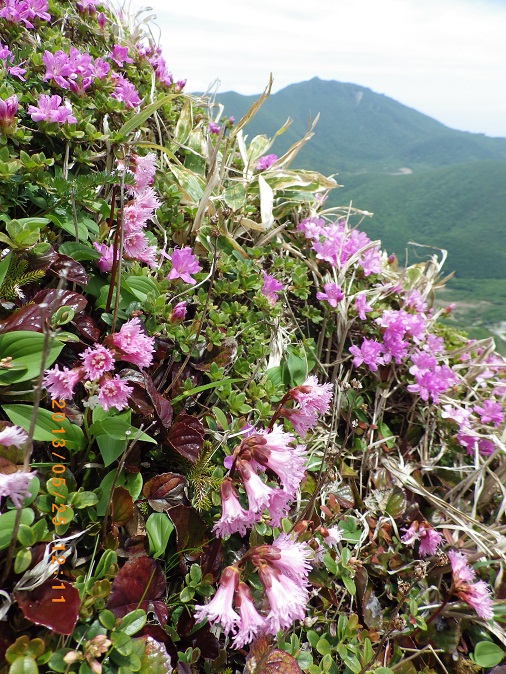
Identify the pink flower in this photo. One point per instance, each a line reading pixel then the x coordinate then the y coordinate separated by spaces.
pixel 61 383
pixel 361 306
pixel 136 247
pixel 259 494
pixel 144 170
pixel 101 20
pixel 313 395
pixel 120 55
pixel 429 538
pixel 476 594
pixel 333 294
pixel 184 263
pixel 368 353
pixel 86 6
pixel 114 393
pixel 106 261
pixel 490 412
pixel 58 68
pixel 212 127
pixel 125 91
pixel 8 110
pixel 266 162
pixel 15 486
pixel 233 516
pixel 270 288
pixel 287 598
pixel 302 420
pixel 220 607
pixel 50 110
pixel 332 536
pixel 136 347
pixel 97 361
pixel 13 435
pixel 293 560
pixel 179 312
pixel 276 453
pixel 252 623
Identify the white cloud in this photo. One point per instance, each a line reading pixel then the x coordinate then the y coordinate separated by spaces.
pixel 443 57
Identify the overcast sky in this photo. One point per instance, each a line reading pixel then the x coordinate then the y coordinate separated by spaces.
pixel 445 58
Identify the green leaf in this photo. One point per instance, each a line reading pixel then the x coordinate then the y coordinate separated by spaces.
pixel 4 267
pixel 144 114
pixel 220 418
pixel 132 482
pixel 26 535
pixel 235 196
pixel 106 561
pixel 204 387
pixel 121 642
pixel 24 665
pixel 158 528
pixel 7 524
pixel 107 618
pixel 141 286
pixel 21 415
pixel 79 251
pixel 25 348
pixel 487 654
pixel 133 622
pixel 119 429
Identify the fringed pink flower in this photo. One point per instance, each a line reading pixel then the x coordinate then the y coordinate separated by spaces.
pixel 477 594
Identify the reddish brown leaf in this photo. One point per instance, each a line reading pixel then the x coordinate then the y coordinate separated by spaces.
pixel 263 660
pixel 122 506
pixel 87 327
pixel 38 606
pixel 186 437
pixel 64 298
pixel 139 400
pixel 29 317
pixel 139 578
pixel 165 491
pixel 190 532
pixel 75 272
pixel 162 407
pixel 202 638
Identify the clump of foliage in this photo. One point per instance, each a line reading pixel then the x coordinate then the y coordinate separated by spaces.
pixel 234 434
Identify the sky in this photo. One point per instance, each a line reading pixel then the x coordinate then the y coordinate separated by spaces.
pixel 445 58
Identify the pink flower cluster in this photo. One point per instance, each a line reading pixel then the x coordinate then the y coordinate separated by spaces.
pixel 24 11
pixel 49 109
pixel 270 288
pixel 265 162
pixel 337 244
pixel 313 400
pixel 74 71
pixel 429 538
pixel 476 594
pixel 154 56
pixel 136 215
pixel 125 91
pixel 130 344
pixel 283 569
pixel 7 61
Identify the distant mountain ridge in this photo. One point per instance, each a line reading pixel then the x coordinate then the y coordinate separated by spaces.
pixel 423 181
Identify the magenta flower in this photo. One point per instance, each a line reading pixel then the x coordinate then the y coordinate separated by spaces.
pixel 287 598
pixel 179 312
pixel 162 73
pixel 234 519
pixel 477 594
pixel 274 451
pixel 58 68
pixel 101 20
pixel 184 263
pixel 15 486
pixel 252 623
pixel 490 412
pixel 120 55
pixel 429 538
pixel 212 127
pixel 361 306
pixel 125 91
pixel 135 346
pixel 61 383
pixel 259 494
pixel 114 393
pixel 220 607
pixel 97 361
pixel 270 288
pixel 368 353
pixel 266 162
pixel 136 247
pixel 49 109
pixel 333 294
pixel 87 6
pixel 8 110
pixel 107 252
pixel 13 436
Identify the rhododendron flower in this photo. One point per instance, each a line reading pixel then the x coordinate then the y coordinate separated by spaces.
pixel 136 347
pixel 106 261
pixel 220 607
pixel 368 353
pixel 458 414
pixel 212 127
pixel 361 306
pixel 429 538
pixel 179 312
pixel 13 435
pixel 49 109
pixel 97 361
pixel 114 393
pixel 125 91
pixel 58 68
pixel 270 288
pixel 234 519
pixel 61 383
pixel 333 294
pixel 252 623
pixel 87 6
pixel 15 486
pixel 266 162
pixel 475 594
pixel 22 11
pixel 8 110
pixel 472 442
pixel 184 263
pixel 120 55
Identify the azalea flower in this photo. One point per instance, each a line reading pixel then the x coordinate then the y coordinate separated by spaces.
pixel 49 109
pixel 179 312
pixel 184 263
pixel 270 288
pixel 333 294
pixel 361 306
pixel 266 162
pixel 369 353
pixel 8 110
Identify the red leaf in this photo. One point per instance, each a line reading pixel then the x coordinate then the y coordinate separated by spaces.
pixel 191 533
pixel 139 578
pixel 29 317
pixel 163 408
pixel 186 436
pixel 76 273
pixel 87 327
pixel 38 606
pixel 122 506
pixel 165 491
pixel 263 660
pixel 65 298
